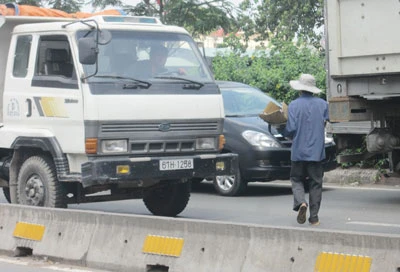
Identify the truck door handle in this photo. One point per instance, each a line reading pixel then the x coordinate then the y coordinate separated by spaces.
pixel 29 113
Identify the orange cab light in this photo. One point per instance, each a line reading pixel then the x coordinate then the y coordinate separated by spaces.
pixel 91 145
pixel 222 142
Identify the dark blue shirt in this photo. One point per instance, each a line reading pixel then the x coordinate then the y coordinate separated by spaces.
pixel 306 126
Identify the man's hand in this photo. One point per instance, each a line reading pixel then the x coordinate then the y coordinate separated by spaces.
pixel 280 127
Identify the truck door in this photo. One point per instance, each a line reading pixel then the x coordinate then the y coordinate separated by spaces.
pixel 48 91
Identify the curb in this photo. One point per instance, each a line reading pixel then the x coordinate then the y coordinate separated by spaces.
pixel 360 177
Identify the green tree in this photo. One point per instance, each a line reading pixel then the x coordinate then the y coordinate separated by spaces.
pixel 271 70
pixel 23 2
pixel 197 16
pixel 66 5
pixel 284 19
pixel 234 43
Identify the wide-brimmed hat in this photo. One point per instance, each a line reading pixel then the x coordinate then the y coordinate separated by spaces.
pixel 306 82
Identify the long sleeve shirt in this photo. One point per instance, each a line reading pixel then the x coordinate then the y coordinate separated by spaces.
pixel 306 126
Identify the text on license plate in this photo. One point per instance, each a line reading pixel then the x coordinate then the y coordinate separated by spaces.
pixel 176 164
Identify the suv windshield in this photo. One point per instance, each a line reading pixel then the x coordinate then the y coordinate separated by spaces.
pixel 245 101
pixel 147 56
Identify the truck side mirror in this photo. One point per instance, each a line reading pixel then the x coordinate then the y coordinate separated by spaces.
pixel 87 50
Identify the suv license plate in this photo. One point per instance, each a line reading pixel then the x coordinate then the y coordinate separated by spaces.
pixel 166 165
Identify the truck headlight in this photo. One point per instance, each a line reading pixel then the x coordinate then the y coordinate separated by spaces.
pixel 259 139
pixel 205 143
pixel 114 146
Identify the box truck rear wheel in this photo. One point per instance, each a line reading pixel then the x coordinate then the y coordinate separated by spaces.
pixel 168 200
pixel 37 184
pixel 6 192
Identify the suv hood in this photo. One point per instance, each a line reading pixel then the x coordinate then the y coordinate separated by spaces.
pixel 249 123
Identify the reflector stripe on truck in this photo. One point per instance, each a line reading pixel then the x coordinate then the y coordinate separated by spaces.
pixel 29 231
pixel 51 106
pixel 162 245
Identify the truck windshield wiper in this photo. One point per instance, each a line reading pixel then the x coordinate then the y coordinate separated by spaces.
pixel 136 83
pixel 192 84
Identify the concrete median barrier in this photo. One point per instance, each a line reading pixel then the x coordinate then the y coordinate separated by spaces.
pixel 148 243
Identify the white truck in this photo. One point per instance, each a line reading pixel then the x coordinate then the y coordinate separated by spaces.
pixel 363 57
pixel 79 117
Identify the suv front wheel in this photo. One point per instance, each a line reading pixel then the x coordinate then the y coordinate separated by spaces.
pixel 231 185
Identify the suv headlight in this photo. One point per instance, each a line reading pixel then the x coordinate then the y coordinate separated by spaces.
pixel 328 138
pixel 205 143
pixel 114 146
pixel 259 139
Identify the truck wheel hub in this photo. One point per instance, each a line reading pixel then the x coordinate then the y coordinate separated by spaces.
pixel 34 190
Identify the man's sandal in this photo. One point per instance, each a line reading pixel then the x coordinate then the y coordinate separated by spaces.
pixel 301 216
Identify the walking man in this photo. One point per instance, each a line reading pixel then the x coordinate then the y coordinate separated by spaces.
pixel 306 126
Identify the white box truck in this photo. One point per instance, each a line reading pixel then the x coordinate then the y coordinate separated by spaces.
pixel 363 57
pixel 83 114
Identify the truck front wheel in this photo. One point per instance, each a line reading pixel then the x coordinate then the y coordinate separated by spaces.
pixel 168 200
pixel 37 184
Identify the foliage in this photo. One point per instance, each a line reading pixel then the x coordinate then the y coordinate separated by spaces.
pixel 23 2
pixel 272 69
pixel 234 43
pixel 66 5
pixel 104 3
pixel 379 161
pixel 197 16
pixel 284 19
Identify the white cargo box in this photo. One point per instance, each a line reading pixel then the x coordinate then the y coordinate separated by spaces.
pixel 362 37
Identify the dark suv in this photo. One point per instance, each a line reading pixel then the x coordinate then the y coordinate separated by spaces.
pixel 264 154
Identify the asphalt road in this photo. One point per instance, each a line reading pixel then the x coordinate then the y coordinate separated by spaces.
pixel 30 264
pixel 362 209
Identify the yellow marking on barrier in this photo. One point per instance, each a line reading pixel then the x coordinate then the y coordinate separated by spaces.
pixel 162 245
pixel 332 262
pixel 29 231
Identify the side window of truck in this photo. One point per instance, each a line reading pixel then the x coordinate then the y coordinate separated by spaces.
pixel 54 57
pixel 21 58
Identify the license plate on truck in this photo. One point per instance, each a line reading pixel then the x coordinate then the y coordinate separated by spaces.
pixel 166 165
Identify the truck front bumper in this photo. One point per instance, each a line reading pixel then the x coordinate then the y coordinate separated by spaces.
pixel 107 170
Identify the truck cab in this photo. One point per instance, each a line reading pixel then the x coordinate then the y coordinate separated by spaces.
pixel 84 112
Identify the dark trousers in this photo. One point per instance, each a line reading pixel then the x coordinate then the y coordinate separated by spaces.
pixel 310 172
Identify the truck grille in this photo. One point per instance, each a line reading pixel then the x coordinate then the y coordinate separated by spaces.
pixel 162 147
pixel 162 137
pixel 155 127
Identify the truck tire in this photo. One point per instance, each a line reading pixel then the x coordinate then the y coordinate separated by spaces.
pixel 6 192
pixel 232 185
pixel 37 184
pixel 169 200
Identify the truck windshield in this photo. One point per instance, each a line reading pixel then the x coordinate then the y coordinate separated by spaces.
pixel 148 56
